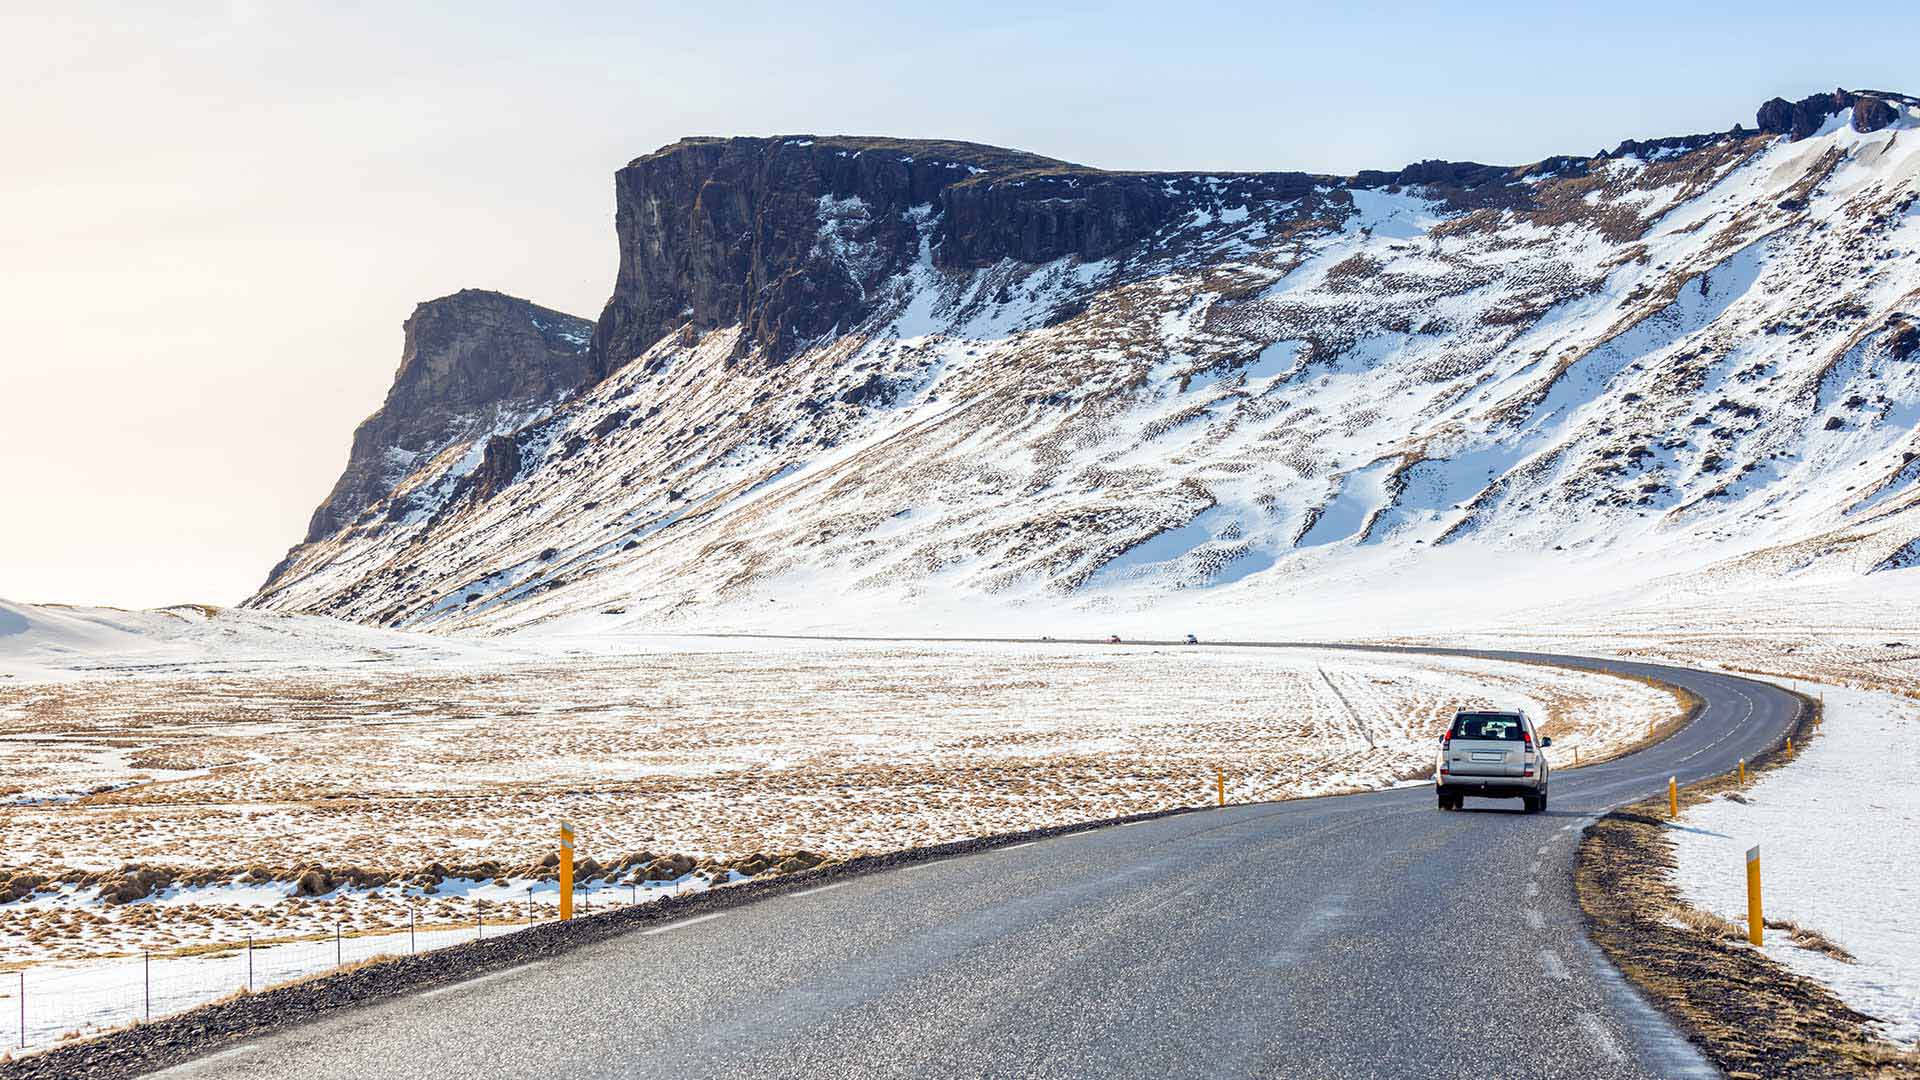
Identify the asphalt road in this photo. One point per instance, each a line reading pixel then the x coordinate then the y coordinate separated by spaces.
pixel 1356 936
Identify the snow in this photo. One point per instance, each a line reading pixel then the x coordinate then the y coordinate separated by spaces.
pixel 1839 836
pixel 76 999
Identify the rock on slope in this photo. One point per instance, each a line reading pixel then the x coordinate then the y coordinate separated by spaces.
pixel 474 363
pixel 874 370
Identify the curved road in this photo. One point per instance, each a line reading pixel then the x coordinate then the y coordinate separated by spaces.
pixel 1354 936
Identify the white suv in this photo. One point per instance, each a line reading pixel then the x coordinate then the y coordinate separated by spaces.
pixel 1495 755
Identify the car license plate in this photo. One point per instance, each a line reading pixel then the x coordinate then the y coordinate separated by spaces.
pixel 1489 755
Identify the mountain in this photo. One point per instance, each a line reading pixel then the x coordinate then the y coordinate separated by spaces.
pixel 860 375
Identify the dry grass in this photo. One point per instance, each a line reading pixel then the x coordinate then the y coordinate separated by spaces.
pixel 1751 1015
pixel 372 775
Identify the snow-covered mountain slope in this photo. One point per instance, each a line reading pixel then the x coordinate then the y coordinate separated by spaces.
pixel 843 375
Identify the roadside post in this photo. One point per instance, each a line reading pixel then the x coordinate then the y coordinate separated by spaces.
pixel 1673 797
pixel 566 870
pixel 1221 782
pixel 1755 923
pixel 1743 772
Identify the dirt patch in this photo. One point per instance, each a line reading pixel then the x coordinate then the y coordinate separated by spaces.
pixel 1752 1016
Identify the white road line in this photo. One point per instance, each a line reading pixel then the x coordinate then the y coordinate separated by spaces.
pixel 821 889
pixel 681 923
pixel 468 984
pixel 1551 964
pixel 1014 847
pixel 1535 920
pixel 1602 1038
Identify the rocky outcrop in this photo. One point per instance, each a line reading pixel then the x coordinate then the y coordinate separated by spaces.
pixel 468 359
pixel 1872 114
pixel 787 236
pixel 1801 118
pixel 499 464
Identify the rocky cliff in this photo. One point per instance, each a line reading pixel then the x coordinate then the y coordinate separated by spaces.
pixel 795 237
pixel 470 363
pixel 899 371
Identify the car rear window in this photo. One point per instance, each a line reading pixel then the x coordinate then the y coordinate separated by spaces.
pixel 1479 725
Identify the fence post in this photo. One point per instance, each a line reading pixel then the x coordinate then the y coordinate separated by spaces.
pixel 529 905
pixel 249 963
pixel 146 963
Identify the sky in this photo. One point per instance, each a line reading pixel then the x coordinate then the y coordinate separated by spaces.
pixel 215 217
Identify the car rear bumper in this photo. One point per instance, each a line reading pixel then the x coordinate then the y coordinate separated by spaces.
pixel 1489 787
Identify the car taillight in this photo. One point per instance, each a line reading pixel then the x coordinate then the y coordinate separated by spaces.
pixel 1528 771
pixel 1527 738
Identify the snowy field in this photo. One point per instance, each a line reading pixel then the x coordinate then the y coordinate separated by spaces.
pixel 232 774
pixel 1839 838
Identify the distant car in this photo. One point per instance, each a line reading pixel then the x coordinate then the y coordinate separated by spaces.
pixel 1494 755
pixel 1113 639
pixel 1191 640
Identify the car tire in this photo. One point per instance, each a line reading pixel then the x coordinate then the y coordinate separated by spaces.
pixel 1534 803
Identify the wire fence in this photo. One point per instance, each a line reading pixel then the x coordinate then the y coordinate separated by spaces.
pixel 49 1004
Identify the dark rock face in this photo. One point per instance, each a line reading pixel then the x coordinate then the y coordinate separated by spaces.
pixel 1804 117
pixel 499 464
pixel 783 235
pixel 791 237
pixel 467 358
pixel 1872 114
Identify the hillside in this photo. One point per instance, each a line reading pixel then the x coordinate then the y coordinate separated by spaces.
pixel 844 380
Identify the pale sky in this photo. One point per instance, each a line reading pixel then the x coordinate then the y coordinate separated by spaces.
pixel 214 217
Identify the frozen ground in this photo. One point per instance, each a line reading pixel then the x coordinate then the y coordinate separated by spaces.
pixel 378 765
pixel 1839 838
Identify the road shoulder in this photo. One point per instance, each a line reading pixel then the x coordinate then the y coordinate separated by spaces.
pixel 1752 1016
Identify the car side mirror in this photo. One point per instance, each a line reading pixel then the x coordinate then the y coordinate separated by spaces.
pixel 1544 743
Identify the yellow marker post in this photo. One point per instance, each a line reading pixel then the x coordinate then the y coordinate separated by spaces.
pixel 1743 772
pixel 1673 796
pixel 1789 744
pixel 566 870
pixel 1222 782
pixel 1755 923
